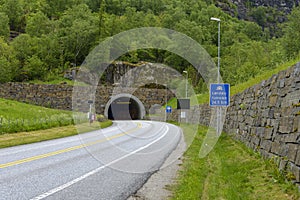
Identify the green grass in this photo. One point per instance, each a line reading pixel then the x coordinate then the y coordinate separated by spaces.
pixel 9 140
pixel 59 81
pixel 22 123
pixel 14 109
pixel 173 102
pixel 17 117
pixel 264 76
pixel 204 98
pixel 230 171
pixel 53 82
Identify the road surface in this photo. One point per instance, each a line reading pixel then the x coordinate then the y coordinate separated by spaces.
pixel 111 163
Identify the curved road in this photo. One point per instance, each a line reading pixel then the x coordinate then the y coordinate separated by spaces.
pixel 111 163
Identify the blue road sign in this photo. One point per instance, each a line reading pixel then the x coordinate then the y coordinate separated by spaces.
pixel 168 109
pixel 219 94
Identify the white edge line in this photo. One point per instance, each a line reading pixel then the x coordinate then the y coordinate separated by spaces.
pixel 66 185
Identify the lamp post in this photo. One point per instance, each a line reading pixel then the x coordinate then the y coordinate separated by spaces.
pixel 186 91
pixel 219 47
pixel 186 83
pixel 219 43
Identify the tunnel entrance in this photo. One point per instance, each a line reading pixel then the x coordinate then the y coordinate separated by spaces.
pixel 125 107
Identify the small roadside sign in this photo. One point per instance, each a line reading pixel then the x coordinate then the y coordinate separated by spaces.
pixel 168 109
pixel 183 104
pixel 183 115
pixel 219 94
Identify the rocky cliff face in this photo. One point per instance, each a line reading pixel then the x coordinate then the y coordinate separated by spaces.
pixel 243 6
pixel 267 13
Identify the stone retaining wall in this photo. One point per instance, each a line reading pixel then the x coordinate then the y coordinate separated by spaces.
pixel 266 117
pixel 60 96
pixel 52 96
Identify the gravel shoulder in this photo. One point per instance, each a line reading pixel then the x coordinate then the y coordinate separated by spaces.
pixel 155 187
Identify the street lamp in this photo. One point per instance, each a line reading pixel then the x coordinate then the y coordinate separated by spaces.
pixel 219 43
pixel 186 83
pixel 219 47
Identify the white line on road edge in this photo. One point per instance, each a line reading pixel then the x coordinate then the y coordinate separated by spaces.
pixel 66 185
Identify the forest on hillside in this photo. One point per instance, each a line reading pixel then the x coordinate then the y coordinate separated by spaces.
pixel 41 39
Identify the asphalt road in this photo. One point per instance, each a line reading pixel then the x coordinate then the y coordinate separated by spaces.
pixel 110 163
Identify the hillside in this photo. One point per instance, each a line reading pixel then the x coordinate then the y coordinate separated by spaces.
pixel 50 38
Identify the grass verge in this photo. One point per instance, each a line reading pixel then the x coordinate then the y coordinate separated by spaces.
pixel 9 140
pixel 230 171
pixel 204 98
pixel 18 117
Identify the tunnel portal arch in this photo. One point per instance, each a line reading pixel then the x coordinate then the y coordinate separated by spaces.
pixel 124 107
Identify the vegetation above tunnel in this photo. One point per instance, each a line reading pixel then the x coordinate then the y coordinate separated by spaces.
pixel 40 40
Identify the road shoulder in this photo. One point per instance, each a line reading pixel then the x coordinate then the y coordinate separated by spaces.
pixel 155 187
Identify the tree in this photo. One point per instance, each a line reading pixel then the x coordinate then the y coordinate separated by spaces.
pixel 58 7
pixel 291 38
pixel 260 16
pixel 34 6
pixel 102 18
pixel 77 33
pixel 191 29
pixel 38 24
pixel 117 7
pixel 34 68
pixel 23 47
pixel 57 34
pixel 253 31
pixel 245 61
pixel 8 62
pixel 15 12
pixel 173 15
pixel 50 52
pixel 4 25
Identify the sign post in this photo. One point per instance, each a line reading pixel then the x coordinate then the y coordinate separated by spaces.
pixel 168 110
pixel 184 106
pixel 90 115
pixel 219 96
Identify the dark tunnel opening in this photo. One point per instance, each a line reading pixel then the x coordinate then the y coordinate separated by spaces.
pixel 124 108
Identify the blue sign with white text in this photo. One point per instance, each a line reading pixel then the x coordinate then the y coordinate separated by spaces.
pixel 219 94
pixel 168 109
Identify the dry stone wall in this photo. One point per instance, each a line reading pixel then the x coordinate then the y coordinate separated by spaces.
pixel 60 96
pixel 266 117
pixel 52 96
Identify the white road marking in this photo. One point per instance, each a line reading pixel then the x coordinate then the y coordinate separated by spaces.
pixel 66 185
